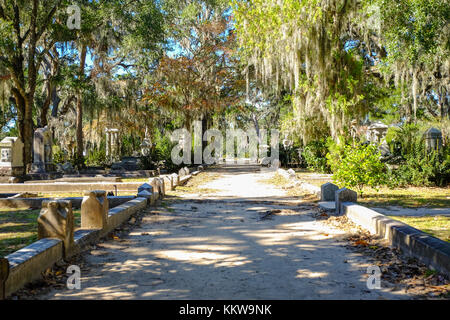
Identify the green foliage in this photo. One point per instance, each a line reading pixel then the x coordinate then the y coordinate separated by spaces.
pixel 315 154
pixel 96 158
pixel 59 156
pixel 423 169
pixel 357 166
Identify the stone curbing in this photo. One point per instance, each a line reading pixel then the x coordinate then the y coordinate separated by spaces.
pixel 114 201
pixel 431 251
pixel 28 264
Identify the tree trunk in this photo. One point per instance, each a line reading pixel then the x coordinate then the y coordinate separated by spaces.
pixel 80 105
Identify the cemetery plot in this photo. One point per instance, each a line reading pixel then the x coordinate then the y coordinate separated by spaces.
pixel 19 228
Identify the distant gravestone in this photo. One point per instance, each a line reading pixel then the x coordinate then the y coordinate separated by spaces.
pixel 42 151
pixel 344 195
pixel 433 139
pixel 56 221
pixel 328 191
pixel 11 157
pixel 146 187
pixel 94 210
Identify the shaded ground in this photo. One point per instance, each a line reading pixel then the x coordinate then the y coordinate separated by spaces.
pixel 246 240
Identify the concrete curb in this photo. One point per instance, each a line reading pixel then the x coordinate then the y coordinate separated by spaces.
pixel 427 249
pixel 28 263
pixel 431 251
pixel 76 201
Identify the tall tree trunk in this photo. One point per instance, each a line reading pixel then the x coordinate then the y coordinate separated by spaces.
pixel 80 105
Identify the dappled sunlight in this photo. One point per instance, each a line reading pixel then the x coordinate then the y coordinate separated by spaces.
pixel 203 257
pixel 306 273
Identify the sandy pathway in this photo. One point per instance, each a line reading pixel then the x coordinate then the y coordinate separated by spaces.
pixel 218 247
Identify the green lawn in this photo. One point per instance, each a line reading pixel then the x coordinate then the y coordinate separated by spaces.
pixel 411 197
pixel 18 228
pixel 438 226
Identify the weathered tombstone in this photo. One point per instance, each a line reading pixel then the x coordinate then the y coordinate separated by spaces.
pixel 112 144
pixel 146 187
pixel 344 195
pixel 146 145
pixel 4 273
pixel 175 180
pixel 186 170
pixel 156 188
pixel 162 187
pixel 94 210
pixel 433 140
pixel 11 157
pixel 328 191
pixel 42 151
pixel 181 172
pixel 376 132
pixel 56 221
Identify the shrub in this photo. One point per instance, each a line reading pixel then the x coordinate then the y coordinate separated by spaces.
pixel 357 166
pixel 315 154
pixel 96 158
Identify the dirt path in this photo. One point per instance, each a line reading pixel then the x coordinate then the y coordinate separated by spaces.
pixel 220 246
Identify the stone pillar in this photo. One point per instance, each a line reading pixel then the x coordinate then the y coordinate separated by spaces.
pixel 175 180
pixel 4 273
pixel 156 191
pixel 56 221
pixel 162 187
pixel 146 191
pixel 112 147
pixel 42 151
pixel 328 191
pixel 344 195
pixel 94 210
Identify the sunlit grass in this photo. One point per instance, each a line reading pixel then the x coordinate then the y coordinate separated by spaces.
pixel 195 184
pixel 18 228
pixel 438 226
pixel 411 197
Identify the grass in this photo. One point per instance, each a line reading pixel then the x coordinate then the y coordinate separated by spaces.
pixel 18 228
pixel 438 226
pixel 194 185
pixel 411 197
pixel 283 183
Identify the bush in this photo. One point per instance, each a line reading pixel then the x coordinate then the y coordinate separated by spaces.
pixel 96 158
pixel 357 166
pixel 315 154
pixel 422 169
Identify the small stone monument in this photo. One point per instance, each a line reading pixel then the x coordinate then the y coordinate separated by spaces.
pixel 376 132
pixel 146 145
pixel 433 140
pixel 344 195
pixel 327 191
pixel 94 210
pixel 42 151
pixel 11 157
pixel 112 144
pixel 56 221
